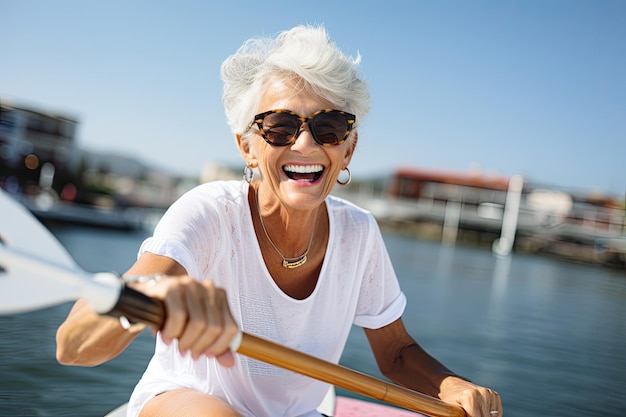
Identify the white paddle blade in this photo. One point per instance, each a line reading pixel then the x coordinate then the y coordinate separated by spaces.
pixel 37 272
pixel 28 283
pixel 22 290
pixel 21 231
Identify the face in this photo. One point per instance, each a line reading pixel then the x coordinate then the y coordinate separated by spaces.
pixel 300 175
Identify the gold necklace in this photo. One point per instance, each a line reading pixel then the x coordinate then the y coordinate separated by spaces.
pixel 290 263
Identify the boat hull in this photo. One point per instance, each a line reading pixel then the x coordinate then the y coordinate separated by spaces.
pixel 351 407
pixel 344 407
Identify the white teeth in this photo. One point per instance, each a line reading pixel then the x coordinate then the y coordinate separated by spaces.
pixel 304 169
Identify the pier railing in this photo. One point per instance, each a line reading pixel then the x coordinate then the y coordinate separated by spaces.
pixel 599 228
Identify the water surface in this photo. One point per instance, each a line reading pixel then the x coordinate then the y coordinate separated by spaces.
pixel 550 336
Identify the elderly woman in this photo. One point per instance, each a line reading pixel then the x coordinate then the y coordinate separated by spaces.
pixel 275 256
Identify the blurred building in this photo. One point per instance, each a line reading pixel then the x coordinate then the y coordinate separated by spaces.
pixel 31 136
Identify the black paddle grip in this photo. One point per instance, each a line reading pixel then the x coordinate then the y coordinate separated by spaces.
pixel 137 307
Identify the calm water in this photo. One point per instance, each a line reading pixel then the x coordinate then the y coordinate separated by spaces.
pixel 549 336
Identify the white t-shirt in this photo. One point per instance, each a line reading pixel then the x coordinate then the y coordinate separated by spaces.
pixel 209 231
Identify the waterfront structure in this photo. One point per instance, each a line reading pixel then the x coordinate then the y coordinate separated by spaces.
pixel 31 137
pixel 43 166
pixel 500 212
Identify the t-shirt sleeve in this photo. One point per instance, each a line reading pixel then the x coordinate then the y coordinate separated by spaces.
pixel 390 314
pixel 184 228
pixel 172 249
pixel 381 300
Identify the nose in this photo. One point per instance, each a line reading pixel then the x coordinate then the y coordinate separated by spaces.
pixel 304 139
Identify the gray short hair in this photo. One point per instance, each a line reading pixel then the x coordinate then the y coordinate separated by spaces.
pixel 305 54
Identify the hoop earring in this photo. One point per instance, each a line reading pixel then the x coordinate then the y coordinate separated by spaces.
pixel 346 182
pixel 248 174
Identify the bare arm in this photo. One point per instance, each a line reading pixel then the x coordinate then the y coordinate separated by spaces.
pixel 86 338
pixel 403 361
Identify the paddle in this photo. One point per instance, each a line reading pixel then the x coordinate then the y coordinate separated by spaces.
pixel 36 272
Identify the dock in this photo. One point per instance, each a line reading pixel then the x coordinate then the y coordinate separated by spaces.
pixel 53 211
pixel 506 214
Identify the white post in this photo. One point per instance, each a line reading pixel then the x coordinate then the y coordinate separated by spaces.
pixel 46 176
pixel 504 244
pixel 451 222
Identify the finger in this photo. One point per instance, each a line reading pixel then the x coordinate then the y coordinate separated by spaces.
pixel 472 405
pixel 226 359
pixel 496 405
pixel 489 404
pixel 176 313
pixel 222 327
pixel 213 321
pixel 222 343
pixel 196 324
pixel 480 402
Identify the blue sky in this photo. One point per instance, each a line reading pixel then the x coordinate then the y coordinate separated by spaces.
pixel 533 87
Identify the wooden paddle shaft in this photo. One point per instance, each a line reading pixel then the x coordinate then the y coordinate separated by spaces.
pixel 342 377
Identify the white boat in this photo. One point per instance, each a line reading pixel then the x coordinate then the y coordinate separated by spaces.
pixel 333 406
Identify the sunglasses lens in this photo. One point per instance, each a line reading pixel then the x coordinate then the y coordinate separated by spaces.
pixel 329 128
pixel 280 128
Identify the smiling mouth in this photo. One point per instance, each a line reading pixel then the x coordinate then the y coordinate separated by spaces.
pixel 308 173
